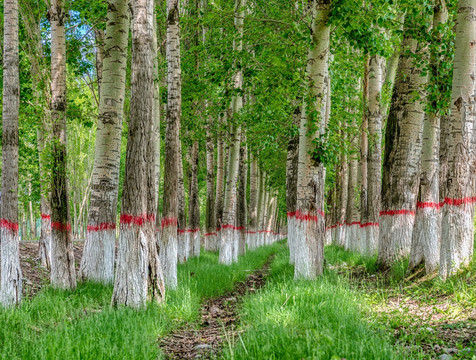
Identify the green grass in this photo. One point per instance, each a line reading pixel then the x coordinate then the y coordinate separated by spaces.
pixel 317 319
pixel 81 324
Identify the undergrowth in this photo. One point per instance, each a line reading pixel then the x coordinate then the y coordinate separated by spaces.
pixel 81 324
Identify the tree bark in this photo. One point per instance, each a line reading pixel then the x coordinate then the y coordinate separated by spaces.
pixel 10 271
pixel 291 184
pixel 194 206
pixel 210 219
pixel 352 213
pixel 62 258
pixel 241 205
pixel 425 240
pixel 370 219
pixel 253 205
pixel 228 228
pixel 220 182
pixel 401 164
pixel 168 251
pixel 364 151
pixel 183 243
pixel 132 284
pixel 97 262
pixel 458 208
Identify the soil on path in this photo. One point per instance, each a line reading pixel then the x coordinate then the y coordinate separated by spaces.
pixel 34 275
pixel 218 322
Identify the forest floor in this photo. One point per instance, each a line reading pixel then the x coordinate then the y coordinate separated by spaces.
pixel 251 310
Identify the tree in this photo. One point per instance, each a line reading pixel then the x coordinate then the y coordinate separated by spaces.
pixel 194 206
pixel 228 228
pixel 62 258
pixel 457 221
pixel 403 134
pixel 133 282
pixel 310 227
pixel 97 262
pixel 172 159
pixel 10 271
pixel 425 240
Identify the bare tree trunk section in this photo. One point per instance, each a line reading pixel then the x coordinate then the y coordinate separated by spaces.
pixel 253 205
pixel 97 262
pixel 183 243
pixel 44 245
pixel 341 194
pixel 364 152
pixel 228 227
pixel 62 258
pixel 457 222
pixel 168 250
pixel 10 271
pixel 310 223
pixel 210 218
pixel 370 219
pixel 426 235
pixel 352 213
pixel 291 184
pixel 401 164
pixel 219 198
pixel 241 205
pixel 194 206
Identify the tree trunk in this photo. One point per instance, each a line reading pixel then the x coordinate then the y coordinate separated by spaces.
pixel 457 221
pixel 10 271
pixel 194 206
pixel 241 205
pixel 132 284
pixel 183 243
pixel 210 219
pixel 44 246
pixel 342 191
pixel 291 183
pixel 260 199
pixel 220 183
pixel 364 151
pixel 253 205
pixel 62 257
pixel 370 219
pixel 228 228
pixel 168 250
pixel 425 240
pixel 352 213
pixel 310 223
pixel 97 262
pixel 400 177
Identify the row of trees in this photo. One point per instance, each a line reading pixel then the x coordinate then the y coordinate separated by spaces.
pixel 215 120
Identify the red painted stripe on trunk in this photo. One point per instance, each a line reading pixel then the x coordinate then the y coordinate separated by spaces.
pixel 431 205
pixel 456 202
pixel 45 216
pixel 181 231
pixel 291 214
pixel 251 232
pixel 353 223
pixel 127 219
pixel 227 226
pixel 58 226
pixel 192 230
pixel 9 225
pixel 396 212
pixel 101 227
pixel 168 222
pixel 369 224
pixel 210 234
pixel 240 228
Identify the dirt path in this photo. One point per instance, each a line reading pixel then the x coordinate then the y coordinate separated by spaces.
pixel 218 322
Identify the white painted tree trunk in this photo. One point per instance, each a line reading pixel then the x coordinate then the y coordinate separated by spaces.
pixel 457 222
pixel 310 223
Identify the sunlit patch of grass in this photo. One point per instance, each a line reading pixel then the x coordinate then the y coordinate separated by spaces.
pixel 317 319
